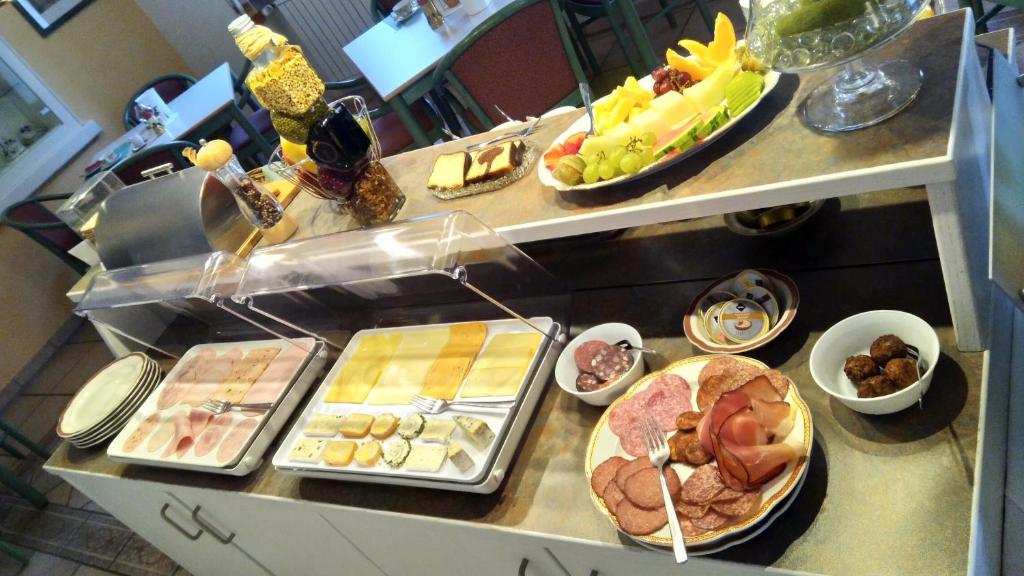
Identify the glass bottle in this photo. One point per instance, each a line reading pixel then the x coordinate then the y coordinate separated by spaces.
pixel 255 202
pixel 347 153
pixel 433 14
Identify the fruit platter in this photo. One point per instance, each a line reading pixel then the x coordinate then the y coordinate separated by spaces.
pixel 646 125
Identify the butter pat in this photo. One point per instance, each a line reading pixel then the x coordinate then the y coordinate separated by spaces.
pixel 426 458
pixel 308 450
pixel 438 431
pixel 457 454
pixel 477 431
pixel 356 425
pixel 323 425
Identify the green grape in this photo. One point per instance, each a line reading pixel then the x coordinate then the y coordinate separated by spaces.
pixel 646 157
pixel 606 170
pixel 616 156
pixel 648 138
pixel 631 163
pixel 591 173
pixel 592 159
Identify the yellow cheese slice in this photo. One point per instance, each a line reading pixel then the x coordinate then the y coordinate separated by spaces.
pixel 362 371
pixel 404 375
pixel 446 374
pixel 356 425
pixel 501 366
pixel 339 452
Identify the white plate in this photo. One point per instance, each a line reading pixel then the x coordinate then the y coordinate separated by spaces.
pixel 604 444
pixel 771 79
pixel 102 394
pixel 482 459
pixel 117 421
pixel 147 381
pixel 149 407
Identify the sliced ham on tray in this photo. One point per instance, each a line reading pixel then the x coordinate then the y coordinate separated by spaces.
pixel 234 388
pixel 215 430
pixel 162 436
pixel 273 380
pixel 236 440
pixel 214 372
pixel 141 433
pixel 173 392
pixel 187 427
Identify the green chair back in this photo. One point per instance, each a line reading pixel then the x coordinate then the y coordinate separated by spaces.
pixel 521 68
pixel 130 169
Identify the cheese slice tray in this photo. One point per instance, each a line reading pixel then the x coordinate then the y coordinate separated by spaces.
pixel 505 360
pixel 170 430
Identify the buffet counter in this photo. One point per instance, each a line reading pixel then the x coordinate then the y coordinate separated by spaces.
pixel 879 493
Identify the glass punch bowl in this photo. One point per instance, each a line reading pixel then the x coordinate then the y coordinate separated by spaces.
pixel 807 35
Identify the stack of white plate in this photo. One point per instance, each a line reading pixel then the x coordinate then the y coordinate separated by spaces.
pixel 103 406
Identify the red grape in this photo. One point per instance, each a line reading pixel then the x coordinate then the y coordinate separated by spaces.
pixel 659 74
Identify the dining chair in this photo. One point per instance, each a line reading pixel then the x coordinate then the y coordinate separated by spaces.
pixel 594 10
pixel 394 137
pixel 525 44
pixel 37 222
pixel 381 8
pixel 131 168
pixel 169 87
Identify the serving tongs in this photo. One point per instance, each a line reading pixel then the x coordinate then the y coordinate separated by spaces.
pixel 517 134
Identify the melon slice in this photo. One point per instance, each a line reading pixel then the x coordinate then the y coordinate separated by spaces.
pixel 710 92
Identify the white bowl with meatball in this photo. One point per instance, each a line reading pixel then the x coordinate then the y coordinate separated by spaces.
pixel 616 369
pixel 863 361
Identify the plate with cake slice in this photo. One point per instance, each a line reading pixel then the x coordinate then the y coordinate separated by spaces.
pixel 462 173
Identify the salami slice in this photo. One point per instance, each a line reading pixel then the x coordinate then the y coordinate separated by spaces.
pixel 718 366
pixel 740 506
pixel 727 494
pixel 692 510
pixel 605 473
pixel 744 373
pixel 587 382
pixel 630 468
pixel 611 362
pixel 633 443
pixel 687 421
pixel 644 488
pixel 140 433
pixel 778 380
pixel 710 521
pixel 584 355
pixel 703 485
pixel 686 523
pixel 612 496
pixel 638 521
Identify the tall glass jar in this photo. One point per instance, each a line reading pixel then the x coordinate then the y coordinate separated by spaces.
pixel 257 204
pixel 347 153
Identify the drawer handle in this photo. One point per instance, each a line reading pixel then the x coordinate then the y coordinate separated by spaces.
pixel 522 566
pixel 526 562
pixel 185 533
pixel 213 531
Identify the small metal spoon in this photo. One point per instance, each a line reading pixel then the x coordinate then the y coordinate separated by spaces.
pixel 585 93
pixel 625 345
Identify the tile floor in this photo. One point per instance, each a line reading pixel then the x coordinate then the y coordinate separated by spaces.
pixel 75 537
pixel 71 536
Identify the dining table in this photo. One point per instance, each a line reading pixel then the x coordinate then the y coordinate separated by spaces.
pixel 204 108
pixel 398 59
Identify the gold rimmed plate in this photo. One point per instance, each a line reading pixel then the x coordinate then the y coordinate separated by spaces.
pixel 604 444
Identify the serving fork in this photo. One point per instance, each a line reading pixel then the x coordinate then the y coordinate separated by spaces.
pixel 436 405
pixel 517 134
pixel 222 406
pixel 657 452
pixel 915 354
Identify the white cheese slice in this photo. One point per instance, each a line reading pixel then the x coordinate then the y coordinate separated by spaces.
pixel 457 454
pixel 308 450
pixel 426 458
pixel 438 431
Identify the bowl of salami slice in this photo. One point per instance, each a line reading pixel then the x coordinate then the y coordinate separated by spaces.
pixel 597 371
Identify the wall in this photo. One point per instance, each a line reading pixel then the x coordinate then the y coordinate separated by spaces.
pixel 198 29
pixel 94 63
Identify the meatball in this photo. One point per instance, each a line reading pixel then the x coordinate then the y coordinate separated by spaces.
pixel 858 368
pixel 902 371
pixel 887 347
pixel 876 386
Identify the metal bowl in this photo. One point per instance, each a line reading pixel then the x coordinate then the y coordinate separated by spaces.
pixel 777 221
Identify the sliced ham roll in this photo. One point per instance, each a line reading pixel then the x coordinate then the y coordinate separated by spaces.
pixel 187 427
pixel 212 435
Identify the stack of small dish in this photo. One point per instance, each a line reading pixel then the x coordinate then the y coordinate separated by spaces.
pixel 103 406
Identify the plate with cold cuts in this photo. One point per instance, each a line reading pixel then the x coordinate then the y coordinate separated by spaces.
pixel 740 436
pixel 170 427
